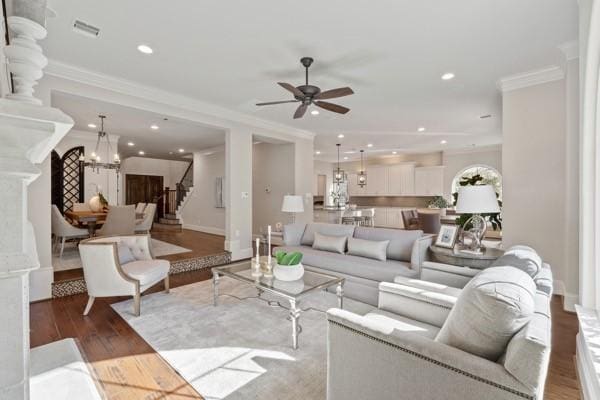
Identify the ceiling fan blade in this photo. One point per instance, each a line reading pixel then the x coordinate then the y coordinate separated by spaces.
pixel 332 107
pixel 291 88
pixel 333 93
pixel 277 102
pixel 300 111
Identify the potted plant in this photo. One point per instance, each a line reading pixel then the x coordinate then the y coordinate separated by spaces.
pixel 439 202
pixel 288 266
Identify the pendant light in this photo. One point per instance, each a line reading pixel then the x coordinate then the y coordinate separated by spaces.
pixel 362 174
pixel 339 175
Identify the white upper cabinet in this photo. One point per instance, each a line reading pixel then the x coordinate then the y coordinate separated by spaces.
pixel 401 180
pixel 377 181
pixel 429 181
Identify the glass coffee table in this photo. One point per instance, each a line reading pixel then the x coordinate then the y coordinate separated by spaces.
pixel 290 291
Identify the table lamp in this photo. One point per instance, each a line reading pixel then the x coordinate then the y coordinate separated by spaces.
pixel 477 200
pixel 292 204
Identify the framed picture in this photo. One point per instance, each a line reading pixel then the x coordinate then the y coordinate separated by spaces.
pixel 447 236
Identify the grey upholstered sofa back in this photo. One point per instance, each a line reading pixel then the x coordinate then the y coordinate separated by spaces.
pixel 325 229
pixel 401 241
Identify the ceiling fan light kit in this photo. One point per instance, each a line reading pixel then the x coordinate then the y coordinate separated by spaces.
pixel 312 95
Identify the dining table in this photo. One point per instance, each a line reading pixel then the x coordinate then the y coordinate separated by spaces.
pixel 93 219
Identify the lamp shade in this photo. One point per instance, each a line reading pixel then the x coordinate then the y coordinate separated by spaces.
pixel 292 204
pixel 479 199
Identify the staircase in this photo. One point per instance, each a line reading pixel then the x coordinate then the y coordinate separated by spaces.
pixel 171 201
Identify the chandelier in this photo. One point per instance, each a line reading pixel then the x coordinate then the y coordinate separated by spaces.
pixel 361 177
pixel 339 175
pixel 95 159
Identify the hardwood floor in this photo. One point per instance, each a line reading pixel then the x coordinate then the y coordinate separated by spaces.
pixel 128 368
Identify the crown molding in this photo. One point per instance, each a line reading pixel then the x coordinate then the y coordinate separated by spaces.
pixel 570 50
pixel 531 78
pixel 81 75
pixel 476 149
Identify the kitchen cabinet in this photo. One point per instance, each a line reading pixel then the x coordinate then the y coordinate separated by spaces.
pixel 389 217
pixel 429 181
pixel 353 188
pixel 401 180
pixel 380 217
pixel 377 181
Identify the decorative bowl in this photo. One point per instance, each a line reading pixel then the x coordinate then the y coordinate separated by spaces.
pixel 288 273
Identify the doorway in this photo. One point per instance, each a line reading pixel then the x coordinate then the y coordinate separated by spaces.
pixel 143 188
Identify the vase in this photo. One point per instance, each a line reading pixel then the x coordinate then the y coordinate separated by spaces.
pixel 95 204
pixel 288 273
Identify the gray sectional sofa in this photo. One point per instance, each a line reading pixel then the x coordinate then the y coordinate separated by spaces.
pixel 406 252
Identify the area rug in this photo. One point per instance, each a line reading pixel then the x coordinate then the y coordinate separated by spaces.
pixel 71 259
pixel 240 349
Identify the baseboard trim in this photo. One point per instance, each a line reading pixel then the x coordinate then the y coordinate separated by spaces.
pixel 569 299
pixel 206 229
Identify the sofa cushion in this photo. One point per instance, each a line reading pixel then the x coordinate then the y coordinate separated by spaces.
pixel 125 254
pixel 491 308
pixel 376 250
pixel 401 241
pixel 352 265
pixel 335 244
pixel 544 281
pixel 402 324
pixel 147 271
pixel 308 237
pixel 522 257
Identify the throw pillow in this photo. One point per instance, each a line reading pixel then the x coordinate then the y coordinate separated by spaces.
pixel 376 250
pixel 125 254
pixel 491 308
pixel 521 257
pixel 335 244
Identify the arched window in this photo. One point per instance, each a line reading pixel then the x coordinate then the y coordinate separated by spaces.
pixel 489 176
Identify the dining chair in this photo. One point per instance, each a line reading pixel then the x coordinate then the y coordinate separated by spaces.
pixel 63 230
pixel 410 218
pixel 120 220
pixel 145 225
pixel 430 222
pixel 140 208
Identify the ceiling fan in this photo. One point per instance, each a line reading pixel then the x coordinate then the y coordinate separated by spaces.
pixel 310 94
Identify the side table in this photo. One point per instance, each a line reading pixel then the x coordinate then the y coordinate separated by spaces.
pixel 456 257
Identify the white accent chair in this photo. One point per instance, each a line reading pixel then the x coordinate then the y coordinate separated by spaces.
pixel 145 225
pixel 120 220
pixel 63 230
pixel 121 266
pixel 140 208
pixel 393 352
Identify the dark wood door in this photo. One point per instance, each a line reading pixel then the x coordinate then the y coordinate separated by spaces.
pixel 142 188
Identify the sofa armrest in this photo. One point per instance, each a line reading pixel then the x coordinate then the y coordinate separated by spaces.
pixel 365 358
pixel 422 301
pixel 292 234
pixel 446 274
pixel 419 251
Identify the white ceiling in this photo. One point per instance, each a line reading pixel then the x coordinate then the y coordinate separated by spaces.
pixel 391 52
pixel 133 125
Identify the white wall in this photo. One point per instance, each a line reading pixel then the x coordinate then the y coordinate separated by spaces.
pixel 324 168
pixel 199 211
pixel 534 171
pixel 272 178
pixel 171 170
pixel 457 160
pixel 304 176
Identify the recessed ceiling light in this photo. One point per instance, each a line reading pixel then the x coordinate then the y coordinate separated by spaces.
pixel 370 145
pixel 421 129
pixel 91 125
pixel 443 142
pixel 345 158
pixel 141 152
pixel 315 112
pixel 447 76
pixel 181 150
pixel 144 48
pixel 130 144
pixel 154 127
pixel 394 152
pixel 317 152
pixel 341 136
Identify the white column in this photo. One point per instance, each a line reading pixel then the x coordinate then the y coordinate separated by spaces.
pixel 304 161
pixel 238 193
pixel 28 132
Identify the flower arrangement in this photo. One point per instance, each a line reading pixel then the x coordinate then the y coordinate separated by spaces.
pixel 438 202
